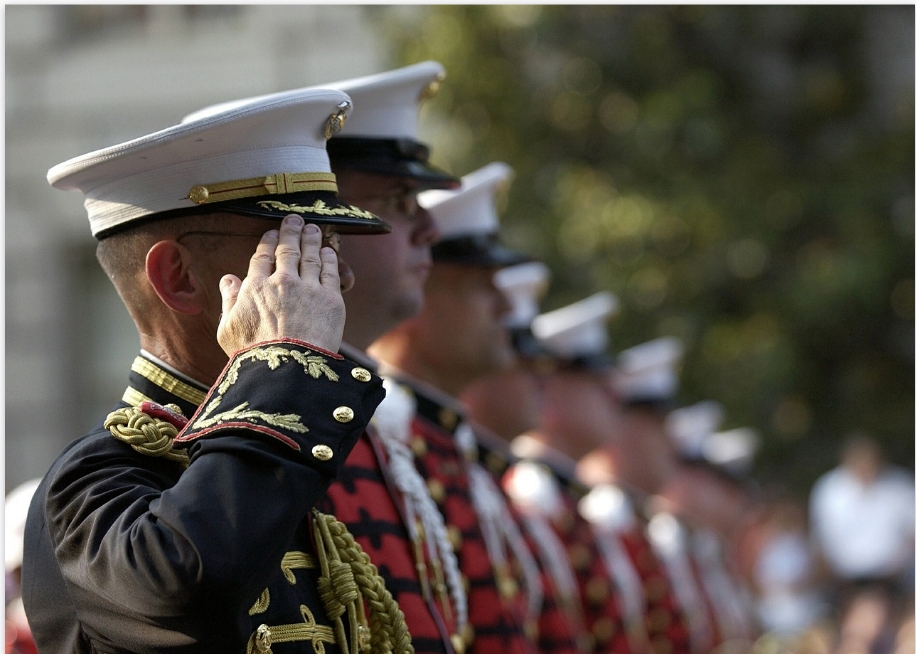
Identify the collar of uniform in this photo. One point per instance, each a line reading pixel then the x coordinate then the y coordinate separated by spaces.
pixel 150 381
pixel 492 451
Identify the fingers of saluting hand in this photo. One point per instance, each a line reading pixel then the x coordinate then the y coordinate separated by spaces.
pixel 262 262
pixel 330 273
pixel 309 262
pixel 293 245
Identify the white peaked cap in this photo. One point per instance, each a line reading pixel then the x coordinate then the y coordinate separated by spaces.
pixel 274 146
pixel 579 329
pixel 389 102
pixel 523 285
pixel 648 372
pixel 471 209
pixel 691 426
pixel 16 509
pixel 732 450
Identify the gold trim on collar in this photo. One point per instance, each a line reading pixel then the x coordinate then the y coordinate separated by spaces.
pixel 167 381
pixel 134 397
pixel 271 185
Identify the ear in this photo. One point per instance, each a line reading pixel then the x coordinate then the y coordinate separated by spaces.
pixel 169 271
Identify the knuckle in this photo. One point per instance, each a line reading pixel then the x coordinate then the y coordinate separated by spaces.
pixel 262 257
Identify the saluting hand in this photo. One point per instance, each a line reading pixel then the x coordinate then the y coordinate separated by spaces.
pixel 292 291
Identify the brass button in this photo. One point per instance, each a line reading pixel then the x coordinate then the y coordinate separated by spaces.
pixel 418 445
pixel 596 589
pixel 361 374
pixel 454 536
pixel 658 620
pixel 343 414
pixel 495 463
pixel 604 629
pixel 448 418
pixel 436 490
pixel 322 452
pixel 198 194
pixel 580 556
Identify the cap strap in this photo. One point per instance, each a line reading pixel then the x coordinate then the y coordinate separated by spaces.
pixel 278 184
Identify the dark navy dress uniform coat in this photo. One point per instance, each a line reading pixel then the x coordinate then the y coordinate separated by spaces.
pixel 127 552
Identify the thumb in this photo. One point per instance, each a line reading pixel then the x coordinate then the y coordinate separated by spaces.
pixel 229 287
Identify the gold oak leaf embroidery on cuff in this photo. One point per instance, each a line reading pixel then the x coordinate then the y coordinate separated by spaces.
pixel 275 356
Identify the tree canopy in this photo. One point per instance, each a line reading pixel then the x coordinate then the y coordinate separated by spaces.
pixel 740 177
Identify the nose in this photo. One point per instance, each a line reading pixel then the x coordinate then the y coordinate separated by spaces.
pixel 426 232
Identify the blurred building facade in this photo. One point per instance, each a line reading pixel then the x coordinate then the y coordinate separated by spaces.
pixel 79 78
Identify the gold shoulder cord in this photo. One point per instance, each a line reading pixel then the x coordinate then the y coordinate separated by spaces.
pixel 347 578
pixel 146 434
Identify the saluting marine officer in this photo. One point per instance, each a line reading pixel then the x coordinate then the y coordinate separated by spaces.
pixel 184 522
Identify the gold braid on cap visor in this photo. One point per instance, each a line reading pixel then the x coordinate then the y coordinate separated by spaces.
pixel 278 184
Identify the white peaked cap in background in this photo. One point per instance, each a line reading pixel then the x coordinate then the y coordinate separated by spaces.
pixel 470 209
pixel 691 426
pixel 579 329
pixel 523 285
pixel 271 147
pixel 389 101
pixel 732 450
pixel 648 372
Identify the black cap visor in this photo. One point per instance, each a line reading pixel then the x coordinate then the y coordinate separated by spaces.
pixel 477 250
pixel 398 157
pixel 318 207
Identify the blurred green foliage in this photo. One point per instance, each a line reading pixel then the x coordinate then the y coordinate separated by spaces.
pixel 727 172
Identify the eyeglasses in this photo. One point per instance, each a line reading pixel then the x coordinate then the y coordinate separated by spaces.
pixel 329 236
pixel 402 202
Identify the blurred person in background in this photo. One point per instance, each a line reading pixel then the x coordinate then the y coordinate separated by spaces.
pixel 711 492
pixel 564 355
pixel 622 581
pixel 784 578
pixel 16 507
pixel 640 459
pixel 862 522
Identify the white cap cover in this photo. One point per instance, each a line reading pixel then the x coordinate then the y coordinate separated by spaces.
pixel 690 427
pixel 649 372
pixel 471 209
pixel 732 450
pixel 523 285
pixel 389 100
pixel 579 329
pixel 270 147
